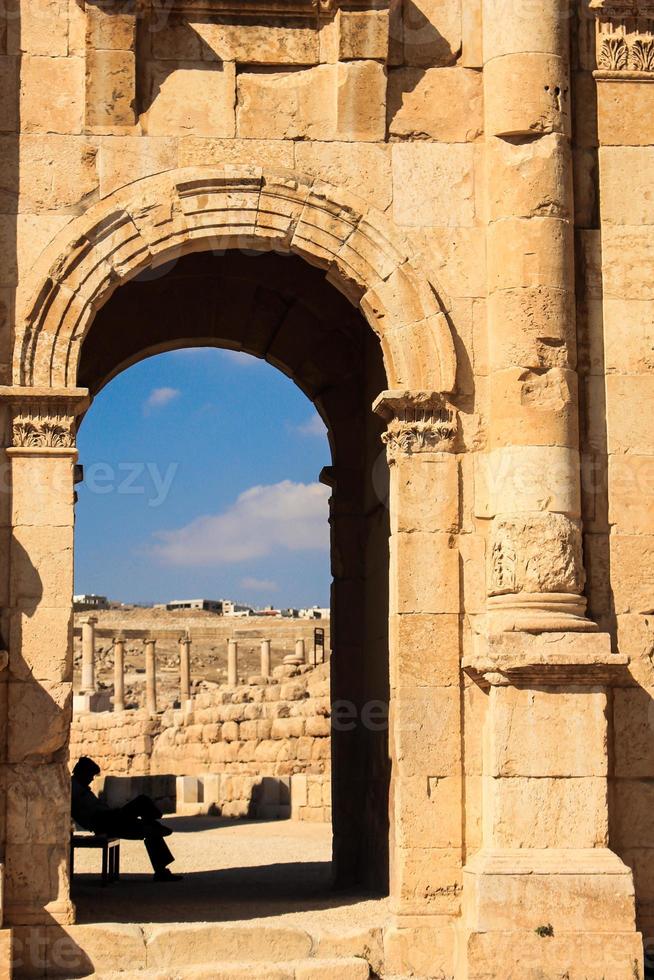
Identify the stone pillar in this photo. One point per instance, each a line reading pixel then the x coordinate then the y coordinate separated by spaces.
pixel 41 455
pixel 298 657
pixel 119 674
pixel 185 669
pixel 545 860
pixel 265 658
pixel 232 663
pixel 426 812
pixel 87 699
pixel 151 676
pixel 536 574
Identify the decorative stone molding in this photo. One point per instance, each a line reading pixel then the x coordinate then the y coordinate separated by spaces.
pixel 625 37
pixel 417 422
pixel 550 659
pixel 233 207
pixel 536 575
pixel 539 553
pixel 43 419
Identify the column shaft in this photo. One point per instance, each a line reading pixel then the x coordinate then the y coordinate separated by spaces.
pixel 41 458
pixel 265 658
pixel 425 724
pixel 151 676
pixel 119 675
pixel 232 663
pixel 185 670
pixel 88 656
pixel 536 573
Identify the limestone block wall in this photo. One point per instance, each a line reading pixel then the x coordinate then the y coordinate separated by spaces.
pixel 242 750
pixel 614 165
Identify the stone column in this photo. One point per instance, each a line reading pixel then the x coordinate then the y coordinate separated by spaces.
pixel 545 861
pixel 151 676
pixel 185 669
pixel 426 812
pixel 232 663
pixel 119 674
pixel 41 455
pixel 265 658
pixel 87 699
pixel 536 574
pixel 298 657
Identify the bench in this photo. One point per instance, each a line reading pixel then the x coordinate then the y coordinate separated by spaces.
pixel 110 853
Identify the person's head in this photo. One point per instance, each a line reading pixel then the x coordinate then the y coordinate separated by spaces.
pixel 85 770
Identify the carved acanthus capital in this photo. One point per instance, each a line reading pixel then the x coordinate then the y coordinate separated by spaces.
pixel 43 419
pixel 625 37
pixel 417 422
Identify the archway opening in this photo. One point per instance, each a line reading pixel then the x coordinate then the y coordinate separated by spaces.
pixel 283 310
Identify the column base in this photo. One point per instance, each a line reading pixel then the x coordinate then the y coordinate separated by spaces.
pixel 89 702
pixel 539 612
pixel 421 946
pixel 526 956
pixel 17 914
pixel 539 913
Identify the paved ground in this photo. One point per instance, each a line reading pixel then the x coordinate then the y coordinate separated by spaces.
pixel 234 870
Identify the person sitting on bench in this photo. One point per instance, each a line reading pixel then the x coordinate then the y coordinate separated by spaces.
pixel 137 820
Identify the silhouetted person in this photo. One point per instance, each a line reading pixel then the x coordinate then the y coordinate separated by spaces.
pixel 137 820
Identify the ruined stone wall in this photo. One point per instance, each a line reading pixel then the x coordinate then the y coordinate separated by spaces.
pixel 253 741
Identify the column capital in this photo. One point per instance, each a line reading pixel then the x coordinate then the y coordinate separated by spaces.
pixel 43 418
pixel 625 39
pixel 416 422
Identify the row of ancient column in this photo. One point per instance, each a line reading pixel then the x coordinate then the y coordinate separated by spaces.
pixel 88 690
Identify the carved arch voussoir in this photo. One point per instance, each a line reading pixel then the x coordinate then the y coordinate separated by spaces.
pixel 152 220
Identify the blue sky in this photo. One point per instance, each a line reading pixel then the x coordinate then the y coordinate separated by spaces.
pixel 201 471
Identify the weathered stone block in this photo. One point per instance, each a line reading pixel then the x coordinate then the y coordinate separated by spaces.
pixel 546 812
pixel 363 34
pixel 443 104
pixel 110 88
pixel 426 880
pixel 191 99
pixel 56 172
pixel 573 722
pixel 426 651
pixel 287 105
pixel 621 110
pixel 252 44
pixel 429 583
pixel 433 184
pixel 360 101
pixel 363 169
pixel 425 733
pixel 431 32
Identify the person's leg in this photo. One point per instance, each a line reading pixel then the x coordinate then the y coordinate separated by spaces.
pixel 141 806
pixel 158 851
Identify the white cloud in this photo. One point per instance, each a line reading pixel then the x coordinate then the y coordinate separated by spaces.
pixel 239 357
pixel 312 427
pixel 159 398
pixel 264 519
pixel 258 584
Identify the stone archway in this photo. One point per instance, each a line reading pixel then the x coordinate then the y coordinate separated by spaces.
pixel 152 220
pixel 145 225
